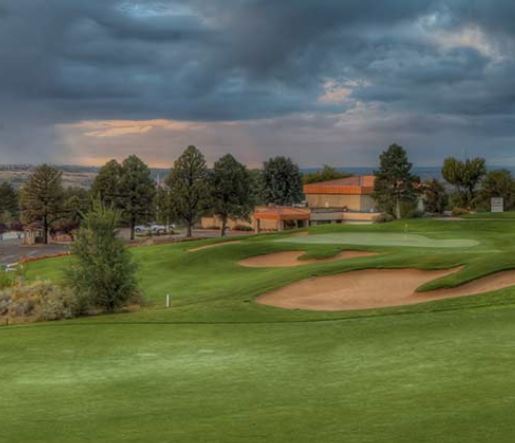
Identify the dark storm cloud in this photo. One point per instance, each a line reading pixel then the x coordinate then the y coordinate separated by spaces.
pixel 443 61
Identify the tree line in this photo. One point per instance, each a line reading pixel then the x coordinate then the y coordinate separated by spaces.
pixel 230 190
pixel 191 189
pixel 467 186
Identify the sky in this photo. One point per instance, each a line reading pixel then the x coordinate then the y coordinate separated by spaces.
pixel 321 81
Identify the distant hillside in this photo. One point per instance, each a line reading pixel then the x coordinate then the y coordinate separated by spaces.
pixel 83 176
pixel 73 175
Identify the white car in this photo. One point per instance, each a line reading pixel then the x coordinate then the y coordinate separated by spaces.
pixel 158 229
pixel 140 229
pixel 153 229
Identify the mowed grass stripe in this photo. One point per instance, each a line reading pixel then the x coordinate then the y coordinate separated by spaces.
pixel 435 372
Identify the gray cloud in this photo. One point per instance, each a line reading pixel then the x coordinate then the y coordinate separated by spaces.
pixel 421 70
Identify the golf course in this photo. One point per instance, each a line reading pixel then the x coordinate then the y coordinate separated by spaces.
pixel 395 332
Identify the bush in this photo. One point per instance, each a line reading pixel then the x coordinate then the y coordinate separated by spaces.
pixel 458 212
pixel 244 228
pixel 384 218
pixel 102 274
pixel 458 200
pixel 416 213
pixel 39 301
pixel 6 279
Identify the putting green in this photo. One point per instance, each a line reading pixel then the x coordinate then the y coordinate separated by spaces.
pixel 381 239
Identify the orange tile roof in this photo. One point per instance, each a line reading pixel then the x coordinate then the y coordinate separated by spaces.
pixel 358 185
pixel 281 213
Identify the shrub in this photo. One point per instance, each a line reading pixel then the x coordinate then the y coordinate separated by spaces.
pixel 458 200
pixel 5 301
pixel 458 212
pixel 384 218
pixel 436 198
pixel 415 213
pixel 38 301
pixel 6 279
pixel 102 274
pixel 244 228
pixel 60 303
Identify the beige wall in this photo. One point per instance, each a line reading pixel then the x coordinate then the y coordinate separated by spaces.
pixel 362 203
pixel 367 203
pixel 210 222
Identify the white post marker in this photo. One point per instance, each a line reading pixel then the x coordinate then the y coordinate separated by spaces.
pixel 168 300
pixel 497 204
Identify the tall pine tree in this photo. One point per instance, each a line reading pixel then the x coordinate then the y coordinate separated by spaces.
pixel 282 182
pixel 231 194
pixel 136 192
pixel 41 198
pixel 188 184
pixel 394 184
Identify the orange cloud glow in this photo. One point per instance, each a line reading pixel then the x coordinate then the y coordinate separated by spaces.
pixel 116 128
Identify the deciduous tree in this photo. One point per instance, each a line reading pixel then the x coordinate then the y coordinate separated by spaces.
pixel 106 185
pixel 76 203
pixel 102 272
pixel 498 183
pixel 325 174
pixel 435 196
pixel 465 177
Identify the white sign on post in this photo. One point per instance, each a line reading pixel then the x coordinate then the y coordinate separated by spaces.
pixel 497 204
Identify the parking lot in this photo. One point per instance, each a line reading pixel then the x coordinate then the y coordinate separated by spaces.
pixel 12 251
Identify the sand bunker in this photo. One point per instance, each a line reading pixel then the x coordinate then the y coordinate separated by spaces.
pixel 216 245
pixel 376 288
pixel 291 258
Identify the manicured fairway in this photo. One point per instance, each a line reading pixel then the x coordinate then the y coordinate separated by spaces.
pixel 381 239
pixel 218 367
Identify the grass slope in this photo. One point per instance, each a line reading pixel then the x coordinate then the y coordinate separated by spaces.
pixel 218 368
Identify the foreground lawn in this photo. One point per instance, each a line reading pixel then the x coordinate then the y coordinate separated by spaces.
pixel 219 368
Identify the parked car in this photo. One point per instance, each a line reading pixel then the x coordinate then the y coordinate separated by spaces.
pixel 154 229
pixel 141 229
pixel 158 229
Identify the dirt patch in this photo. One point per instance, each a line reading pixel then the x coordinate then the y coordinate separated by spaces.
pixel 376 288
pixel 291 258
pixel 216 245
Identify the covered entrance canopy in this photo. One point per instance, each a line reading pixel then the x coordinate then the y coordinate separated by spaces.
pixel 280 218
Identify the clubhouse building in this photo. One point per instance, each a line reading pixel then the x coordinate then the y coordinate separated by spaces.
pixel 345 200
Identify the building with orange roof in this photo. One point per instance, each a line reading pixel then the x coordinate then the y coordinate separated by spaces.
pixel 342 200
pixel 351 193
pixel 334 201
pixel 279 218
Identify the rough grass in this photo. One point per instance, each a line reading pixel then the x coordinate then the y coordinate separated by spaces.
pixel 219 368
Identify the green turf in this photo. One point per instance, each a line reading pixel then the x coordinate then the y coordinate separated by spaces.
pixel 381 239
pixel 219 368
